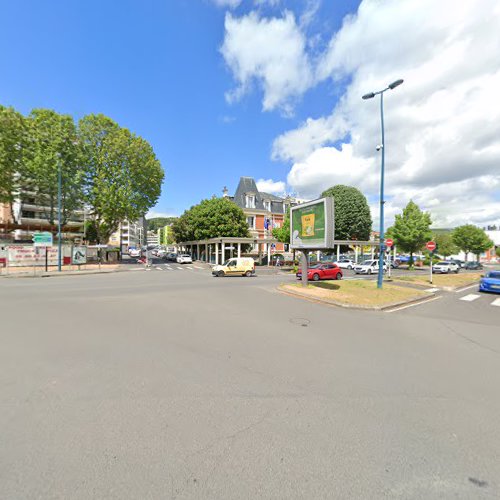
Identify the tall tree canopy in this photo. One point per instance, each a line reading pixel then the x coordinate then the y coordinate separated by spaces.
pixel 13 149
pixel 411 229
pixel 122 174
pixel 217 217
pixel 159 222
pixel 353 220
pixel 282 233
pixel 445 245
pixel 470 238
pixel 53 146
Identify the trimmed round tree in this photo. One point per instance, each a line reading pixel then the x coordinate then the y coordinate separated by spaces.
pixel 353 220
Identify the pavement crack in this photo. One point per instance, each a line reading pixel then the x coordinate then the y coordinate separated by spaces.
pixel 468 339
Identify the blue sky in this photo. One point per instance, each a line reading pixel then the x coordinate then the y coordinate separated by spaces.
pixel 271 89
pixel 155 67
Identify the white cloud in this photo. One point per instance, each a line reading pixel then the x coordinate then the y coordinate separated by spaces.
pixel 270 186
pixel 231 4
pixel 442 125
pixel 271 52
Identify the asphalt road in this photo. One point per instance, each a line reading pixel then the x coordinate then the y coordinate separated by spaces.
pixel 174 384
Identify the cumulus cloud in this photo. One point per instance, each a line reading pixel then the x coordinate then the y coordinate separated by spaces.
pixel 442 125
pixel 231 4
pixel 270 186
pixel 270 52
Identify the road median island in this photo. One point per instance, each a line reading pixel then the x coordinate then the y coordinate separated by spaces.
pixel 362 294
pixel 447 282
pixel 72 270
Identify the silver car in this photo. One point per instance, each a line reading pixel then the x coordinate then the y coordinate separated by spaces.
pixel 445 267
pixel 184 258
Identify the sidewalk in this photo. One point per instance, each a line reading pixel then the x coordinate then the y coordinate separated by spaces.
pixel 68 270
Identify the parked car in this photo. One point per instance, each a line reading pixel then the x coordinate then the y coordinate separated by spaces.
pixel 134 252
pixel 243 266
pixel 445 266
pixel 369 267
pixel 172 257
pixel 161 254
pixel 344 263
pixel 327 271
pixel 473 266
pixel 458 262
pixel 184 258
pixel 490 282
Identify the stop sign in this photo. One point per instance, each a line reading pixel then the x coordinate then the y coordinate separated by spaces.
pixel 389 242
pixel 431 246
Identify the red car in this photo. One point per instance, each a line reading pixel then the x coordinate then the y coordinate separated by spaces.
pixel 322 272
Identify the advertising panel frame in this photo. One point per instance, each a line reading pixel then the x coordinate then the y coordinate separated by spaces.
pixel 321 206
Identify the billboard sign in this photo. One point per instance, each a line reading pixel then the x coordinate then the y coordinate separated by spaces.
pixel 312 224
pixel 79 255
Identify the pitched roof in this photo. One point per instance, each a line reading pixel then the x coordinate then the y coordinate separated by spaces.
pixel 247 185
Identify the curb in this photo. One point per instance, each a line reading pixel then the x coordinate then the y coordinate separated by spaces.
pixel 57 275
pixel 353 306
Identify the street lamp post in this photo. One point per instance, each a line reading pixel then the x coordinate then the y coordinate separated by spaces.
pixel 59 195
pixel 371 95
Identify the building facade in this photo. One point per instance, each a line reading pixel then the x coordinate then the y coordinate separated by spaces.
pixel 263 211
pixel 129 235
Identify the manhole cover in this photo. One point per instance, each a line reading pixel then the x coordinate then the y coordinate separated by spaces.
pixel 300 321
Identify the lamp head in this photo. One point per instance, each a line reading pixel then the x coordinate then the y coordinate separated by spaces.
pixel 395 84
pixel 368 96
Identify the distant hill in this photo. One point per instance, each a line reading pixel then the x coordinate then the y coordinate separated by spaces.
pixel 158 222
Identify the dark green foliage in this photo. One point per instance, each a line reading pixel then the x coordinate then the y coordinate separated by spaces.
pixel 470 238
pixel 353 220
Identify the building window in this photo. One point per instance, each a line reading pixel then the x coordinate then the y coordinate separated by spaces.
pixel 267 205
pixel 27 214
pixel 249 201
pixel 251 222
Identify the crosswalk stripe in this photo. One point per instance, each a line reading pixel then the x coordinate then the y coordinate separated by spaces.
pixel 169 268
pixel 189 267
pixel 496 302
pixel 431 290
pixel 159 269
pixel 470 297
pixel 198 267
pixel 181 268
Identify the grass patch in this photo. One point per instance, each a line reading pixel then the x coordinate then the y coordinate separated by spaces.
pixel 453 280
pixel 357 293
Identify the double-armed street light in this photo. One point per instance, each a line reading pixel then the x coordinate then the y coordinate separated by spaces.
pixel 381 148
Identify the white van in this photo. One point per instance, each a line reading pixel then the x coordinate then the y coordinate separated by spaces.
pixel 243 266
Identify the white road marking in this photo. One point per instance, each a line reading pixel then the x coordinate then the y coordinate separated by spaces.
pixel 470 297
pixel 431 290
pixel 198 267
pixel 159 269
pixel 181 268
pixel 168 268
pixel 496 302
pixel 466 288
pixel 415 304
pixel 189 267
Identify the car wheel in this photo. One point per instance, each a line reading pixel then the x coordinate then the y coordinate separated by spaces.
pixel 369 271
pixel 349 267
pixel 220 274
pixel 338 276
pixel 456 272
pixel 316 277
pixel 248 274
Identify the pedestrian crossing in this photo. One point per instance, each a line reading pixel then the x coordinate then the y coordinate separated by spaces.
pixel 173 268
pixel 482 298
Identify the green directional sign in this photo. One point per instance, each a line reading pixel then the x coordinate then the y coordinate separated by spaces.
pixel 42 239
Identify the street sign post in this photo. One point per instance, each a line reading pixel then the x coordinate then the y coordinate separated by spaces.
pixel 42 239
pixel 431 246
pixel 389 243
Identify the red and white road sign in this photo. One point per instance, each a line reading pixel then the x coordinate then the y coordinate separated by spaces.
pixel 431 246
pixel 389 242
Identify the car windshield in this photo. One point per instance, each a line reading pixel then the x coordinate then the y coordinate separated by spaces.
pixel 443 263
pixel 367 262
pixel 315 266
pixel 493 274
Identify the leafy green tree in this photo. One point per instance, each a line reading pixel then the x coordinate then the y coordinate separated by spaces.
pixel 13 149
pixel 282 233
pixel 353 220
pixel 470 238
pixel 123 177
pixel 497 251
pixel 445 245
pixel 53 146
pixel 90 230
pixel 217 217
pixel 411 229
pixel 159 222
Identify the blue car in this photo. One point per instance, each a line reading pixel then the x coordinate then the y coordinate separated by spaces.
pixel 490 282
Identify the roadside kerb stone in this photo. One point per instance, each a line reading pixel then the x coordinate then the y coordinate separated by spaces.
pixel 295 293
